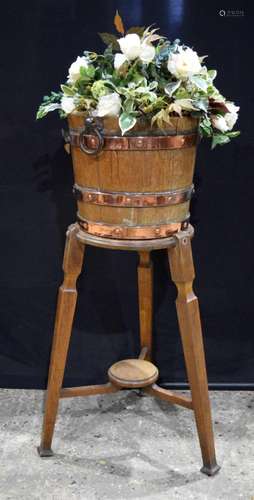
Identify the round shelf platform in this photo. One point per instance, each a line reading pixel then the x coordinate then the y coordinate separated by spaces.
pixel 131 373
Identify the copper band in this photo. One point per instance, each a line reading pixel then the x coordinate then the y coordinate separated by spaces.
pixel 124 199
pixel 140 143
pixel 131 232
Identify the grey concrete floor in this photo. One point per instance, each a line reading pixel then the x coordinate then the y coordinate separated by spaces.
pixel 124 446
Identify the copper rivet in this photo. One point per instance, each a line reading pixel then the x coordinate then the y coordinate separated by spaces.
pixel 157 231
pixel 140 142
pixel 169 198
pixel 117 231
pixel 128 200
pixel 89 196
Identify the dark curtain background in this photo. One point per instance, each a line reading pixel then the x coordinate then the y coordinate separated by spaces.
pixel 40 40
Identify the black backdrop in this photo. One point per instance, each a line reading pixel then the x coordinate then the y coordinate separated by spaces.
pixel 40 39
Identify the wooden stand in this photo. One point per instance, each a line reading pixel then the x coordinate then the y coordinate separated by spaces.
pixel 136 372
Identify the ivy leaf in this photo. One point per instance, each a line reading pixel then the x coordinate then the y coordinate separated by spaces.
pixel 212 73
pixel 199 82
pixel 87 73
pixel 170 88
pixel 138 30
pixel 201 104
pixel 67 90
pixel 118 23
pixel 161 118
pixel 126 122
pixel 219 139
pixel 45 109
pixel 129 105
pixel 233 134
pixel 205 127
pixel 110 39
pixel 201 59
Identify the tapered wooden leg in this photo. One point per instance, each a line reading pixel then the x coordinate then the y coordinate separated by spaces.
pixel 67 297
pixel 145 292
pixel 182 272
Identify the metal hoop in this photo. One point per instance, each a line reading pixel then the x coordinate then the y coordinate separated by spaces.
pixel 92 129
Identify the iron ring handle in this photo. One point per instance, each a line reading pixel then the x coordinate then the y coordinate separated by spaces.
pixel 91 128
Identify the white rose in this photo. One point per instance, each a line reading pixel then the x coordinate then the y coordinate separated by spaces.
pixel 74 69
pixel 184 63
pixel 67 104
pixel 220 123
pixel 226 122
pixel 130 46
pixel 109 105
pixel 119 60
pixel 232 116
pixel 147 52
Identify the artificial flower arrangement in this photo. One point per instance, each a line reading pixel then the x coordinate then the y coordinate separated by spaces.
pixel 142 74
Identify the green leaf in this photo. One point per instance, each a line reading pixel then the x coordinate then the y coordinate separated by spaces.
pixel 90 71
pixel 205 127
pixel 212 73
pixel 126 122
pixel 201 104
pixel 182 93
pixel 139 30
pixel 45 109
pixel 87 73
pixel 219 139
pixel 233 134
pixel 110 39
pixel 129 105
pixel 199 82
pixel 170 88
pixel 201 59
pixel 67 90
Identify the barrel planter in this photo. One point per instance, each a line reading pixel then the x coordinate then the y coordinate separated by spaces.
pixel 136 186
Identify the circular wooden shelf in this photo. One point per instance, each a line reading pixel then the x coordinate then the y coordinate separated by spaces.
pixel 132 373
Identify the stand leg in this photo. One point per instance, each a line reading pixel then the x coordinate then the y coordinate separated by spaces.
pixel 145 292
pixel 67 297
pixel 182 272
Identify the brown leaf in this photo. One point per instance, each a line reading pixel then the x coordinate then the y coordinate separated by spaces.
pixel 220 106
pixel 119 23
pixel 110 39
pixel 139 30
